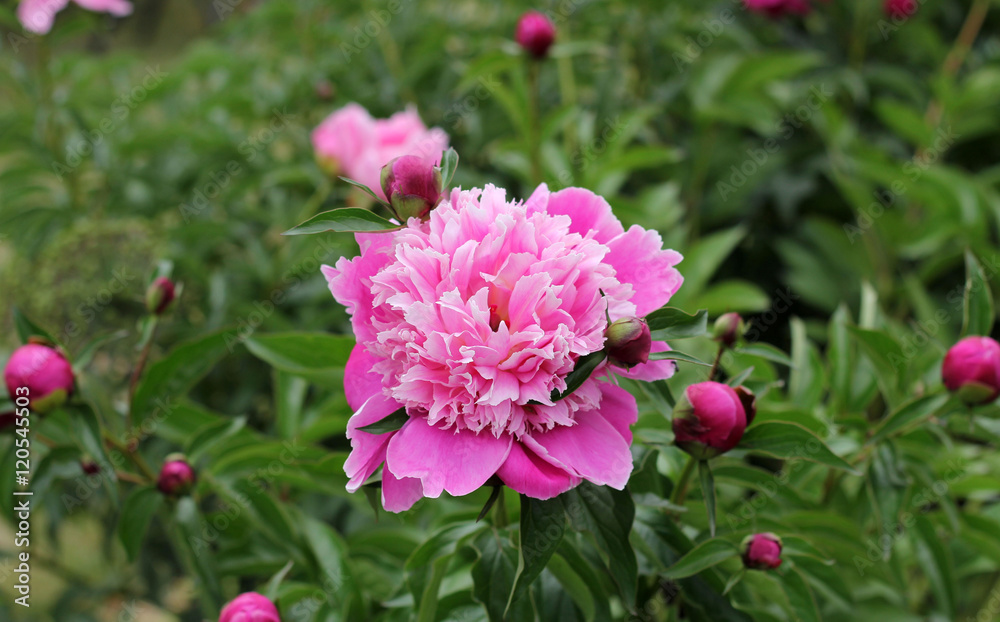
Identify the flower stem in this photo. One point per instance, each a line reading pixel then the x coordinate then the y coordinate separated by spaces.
pixel 715 363
pixel 681 487
pixel 535 132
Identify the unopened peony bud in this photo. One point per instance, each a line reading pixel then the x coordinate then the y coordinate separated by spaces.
pixel 8 420
pixel 159 295
pixel 899 9
pixel 412 185
pixel 176 477
pixel 535 33
pixel 250 607
pixel 44 372
pixel 971 370
pixel 762 551
pixel 90 467
pixel 710 419
pixel 628 342
pixel 728 329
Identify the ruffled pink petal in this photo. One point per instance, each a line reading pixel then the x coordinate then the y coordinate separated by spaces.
pixel 639 258
pixel 350 281
pixel 653 370
pixel 619 408
pixel 37 16
pixel 588 211
pixel 528 474
pixel 367 450
pixel 592 449
pixel 445 460
pixel 399 495
pixel 360 381
pixel 119 8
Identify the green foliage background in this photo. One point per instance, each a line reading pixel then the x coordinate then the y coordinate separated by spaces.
pixel 833 178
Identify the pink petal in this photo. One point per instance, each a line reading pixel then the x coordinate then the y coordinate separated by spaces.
pixel 638 258
pixel 360 382
pixel 588 211
pixel 37 16
pixel 350 281
pixel 445 460
pixel 367 450
pixel 399 495
pixel 592 449
pixel 118 8
pixel 619 408
pixel 528 474
pixel 653 370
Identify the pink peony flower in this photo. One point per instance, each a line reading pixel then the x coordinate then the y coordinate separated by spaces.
pixel 250 607
pixel 900 9
pixel 778 8
pixel 37 16
pixel 471 319
pixel 412 186
pixel 535 33
pixel 971 369
pixel 351 143
pixel 711 417
pixel 45 372
pixel 762 551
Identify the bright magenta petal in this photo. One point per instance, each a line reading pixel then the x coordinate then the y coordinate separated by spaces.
pixel 399 495
pixel 653 370
pixel 528 474
pixel 589 212
pixel 592 449
pixel 367 450
pixel 445 460
pixel 639 258
pixel 360 382
pixel 619 408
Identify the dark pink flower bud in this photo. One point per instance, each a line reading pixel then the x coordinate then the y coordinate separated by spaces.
pixel 628 342
pixel 710 419
pixel 900 9
pixel 159 295
pixel 535 33
pixel 728 329
pixel 762 551
pixel 90 467
pixel 176 477
pixel 44 371
pixel 8 420
pixel 250 607
pixel 412 185
pixel 971 370
pixel 778 8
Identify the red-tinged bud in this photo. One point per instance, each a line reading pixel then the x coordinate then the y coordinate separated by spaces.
pixel 159 295
pixel 250 607
pixel 710 419
pixel 761 551
pixel 412 186
pixel 90 467
pixel 535 33
pixel 628 342
pixel 971 370
pixel 177 478
pixel 44 372
pixel 899 9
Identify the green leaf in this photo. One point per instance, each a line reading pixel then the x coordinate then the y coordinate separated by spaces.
pixel 978 313
pixel 585 366
pixel 189 526
pixel 271 591
pixel 884 353
pixel 909 413
pixel 608 515
pixel 87 432
pixel 768 352
pixel 668 323
pixel 343 220
pixel 789 441
pixel 575 585
pixel 733 295
pixel 301 353
pixel 173 376
pixel 543 523
pixel 701 261
pixel 26 329
pixel 800 597
pixel 87 352
pixel 357 184
pixel 211 435
pixel 330 554
pixel 493 577
pixel 449 164
pixel 708 492
pixel 839 357
pixel 390 423
pixel 289 398
pixel 675 355
pixel 707 554
pixel 937 564
pixel 137 512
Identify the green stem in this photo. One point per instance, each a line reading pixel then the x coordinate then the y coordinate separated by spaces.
pixel 681 487
pixel 535 131
pixel 715 363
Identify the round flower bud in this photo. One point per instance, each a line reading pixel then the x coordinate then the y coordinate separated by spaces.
pixel 250 607
pixel 412 185
pixel 535 33
pixel 159 295
pixel 899 9
pixel 176 477
pixel 971 370
pixel 710 419
pixel 761 551
pixel 90 467
pixel 44 371
pixel 627 342
pixel 728 329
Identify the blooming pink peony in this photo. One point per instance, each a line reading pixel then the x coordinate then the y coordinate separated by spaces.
pixel 351 143
pixel 37 16
pixel 250 607
pixel 471 319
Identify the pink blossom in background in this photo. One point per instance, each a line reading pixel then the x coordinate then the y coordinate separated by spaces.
pixel 471 319
pixel 250 607
pixel 37 16
pixel 777 8
pixel 900 9
pixel 356 145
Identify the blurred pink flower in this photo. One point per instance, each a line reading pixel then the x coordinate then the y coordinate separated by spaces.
pixel 37 16
pixel 250 607
pixel 350 142
pixel 43 372
pixel 900 9
pixel 471 319
pixel 777 8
